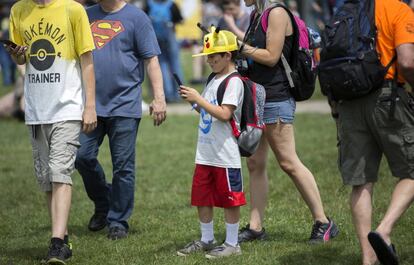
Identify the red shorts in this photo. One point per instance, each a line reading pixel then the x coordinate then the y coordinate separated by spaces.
pixel 216 186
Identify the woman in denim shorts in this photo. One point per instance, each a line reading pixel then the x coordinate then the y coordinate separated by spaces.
pixel 263 50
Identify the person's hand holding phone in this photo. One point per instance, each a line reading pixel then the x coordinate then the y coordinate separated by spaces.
pixel 16 51
pixel 189 94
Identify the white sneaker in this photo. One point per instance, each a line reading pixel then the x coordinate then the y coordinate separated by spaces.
pixel 196 246
pixel 224 250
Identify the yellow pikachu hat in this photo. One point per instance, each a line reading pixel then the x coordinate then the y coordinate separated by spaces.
pixel 218 41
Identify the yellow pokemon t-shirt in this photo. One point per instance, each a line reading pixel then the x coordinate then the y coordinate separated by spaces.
pixel 56 34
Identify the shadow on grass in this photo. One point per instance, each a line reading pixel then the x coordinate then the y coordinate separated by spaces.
pixel 321 256
pixel 286 236
pixel 30 255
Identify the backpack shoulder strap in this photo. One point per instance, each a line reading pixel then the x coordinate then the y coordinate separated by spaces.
pixel 265 16
pixel 371 16
pixel 210 77
pixel 295 46
pixel 265 22
pixel 223 85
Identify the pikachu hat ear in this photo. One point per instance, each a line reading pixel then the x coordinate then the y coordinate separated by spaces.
pixel 218 41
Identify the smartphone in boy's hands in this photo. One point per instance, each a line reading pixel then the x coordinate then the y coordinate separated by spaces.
pixel 177 80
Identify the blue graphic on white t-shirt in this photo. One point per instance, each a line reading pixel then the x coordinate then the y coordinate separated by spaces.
pixel 206 121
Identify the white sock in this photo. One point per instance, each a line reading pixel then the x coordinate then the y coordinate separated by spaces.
pixel 232 231
pixel 207 232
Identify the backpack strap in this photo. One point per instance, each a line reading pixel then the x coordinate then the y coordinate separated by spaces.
pixel 223 85
pixel 210 77
pixel 371 16
pixel 295 46
pixel 394 88
pixel 254 20
pixel 265 20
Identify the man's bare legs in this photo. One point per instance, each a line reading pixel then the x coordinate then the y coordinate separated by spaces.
pixel 361 207
pixel 402 197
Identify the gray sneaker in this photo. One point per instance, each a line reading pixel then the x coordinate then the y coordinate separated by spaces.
pixel 196 246
pixel 224 250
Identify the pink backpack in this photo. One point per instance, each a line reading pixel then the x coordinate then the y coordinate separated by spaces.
pixel 303 30
pixel 301 71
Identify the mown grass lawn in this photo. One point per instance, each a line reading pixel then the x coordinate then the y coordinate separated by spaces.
pixel 163 220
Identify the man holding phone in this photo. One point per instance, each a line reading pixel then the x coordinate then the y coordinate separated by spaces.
pixel 58 61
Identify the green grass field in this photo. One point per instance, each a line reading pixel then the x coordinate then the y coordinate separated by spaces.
pixel 163 220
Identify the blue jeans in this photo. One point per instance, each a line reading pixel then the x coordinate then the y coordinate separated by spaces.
pixel 8 67
pixel 280 111
pixel 169 63
pixel 116 199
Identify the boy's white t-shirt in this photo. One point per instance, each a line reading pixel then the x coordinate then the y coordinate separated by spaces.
pixel 217 145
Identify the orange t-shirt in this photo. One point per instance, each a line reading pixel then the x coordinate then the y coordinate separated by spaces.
pixel 395 25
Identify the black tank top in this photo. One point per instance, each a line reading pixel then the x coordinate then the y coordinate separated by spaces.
pixel 273 78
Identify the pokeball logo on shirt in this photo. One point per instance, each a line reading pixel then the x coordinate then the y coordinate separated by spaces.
pixel 42 54
pixel 103 31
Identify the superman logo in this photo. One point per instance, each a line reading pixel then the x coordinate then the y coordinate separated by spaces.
pixel 104 31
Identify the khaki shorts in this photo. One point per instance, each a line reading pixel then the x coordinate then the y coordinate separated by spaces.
pixel 54 152
pixel 366 132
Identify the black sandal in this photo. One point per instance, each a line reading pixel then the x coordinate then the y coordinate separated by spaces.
pixel 386 254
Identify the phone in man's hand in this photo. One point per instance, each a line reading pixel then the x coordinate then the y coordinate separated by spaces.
pixel 177 79
pixel 8 43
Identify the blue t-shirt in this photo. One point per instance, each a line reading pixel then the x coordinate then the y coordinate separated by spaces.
pixel 123 40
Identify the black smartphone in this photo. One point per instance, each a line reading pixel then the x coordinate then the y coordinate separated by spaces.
pixel 9 43
pixel 177 79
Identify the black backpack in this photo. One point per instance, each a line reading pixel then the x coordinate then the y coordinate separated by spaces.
pixel 350 67
pixel 299 70
pixel 250 130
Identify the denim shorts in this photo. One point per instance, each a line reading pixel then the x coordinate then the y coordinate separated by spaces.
pixel 282 111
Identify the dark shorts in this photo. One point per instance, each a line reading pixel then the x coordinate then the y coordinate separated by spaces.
pixel 366 131
pixel 281 111
pixel 218 187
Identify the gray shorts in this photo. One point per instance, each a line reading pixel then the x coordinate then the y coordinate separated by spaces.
pixel 366 131
pixel 54 152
